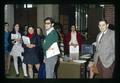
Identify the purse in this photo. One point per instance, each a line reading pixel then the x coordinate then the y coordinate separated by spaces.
pixel 95 70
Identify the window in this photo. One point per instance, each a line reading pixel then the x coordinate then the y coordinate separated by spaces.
pixel 28 5
pixel 81 16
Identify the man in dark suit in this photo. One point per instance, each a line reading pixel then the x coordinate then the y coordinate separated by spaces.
pixel 104 57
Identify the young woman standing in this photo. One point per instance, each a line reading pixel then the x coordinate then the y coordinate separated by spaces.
pixel 17 49
pixel 31 51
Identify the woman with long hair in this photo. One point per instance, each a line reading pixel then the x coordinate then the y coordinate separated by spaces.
pixel 31 50
pixel 17 49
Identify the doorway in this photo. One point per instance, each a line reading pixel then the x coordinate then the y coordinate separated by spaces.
pixel 26 16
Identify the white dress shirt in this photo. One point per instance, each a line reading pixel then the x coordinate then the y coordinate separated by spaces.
pixel 48 31
pixel 100 36
pixel 73 38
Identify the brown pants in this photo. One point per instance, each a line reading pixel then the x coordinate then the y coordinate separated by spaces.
pixel 105 72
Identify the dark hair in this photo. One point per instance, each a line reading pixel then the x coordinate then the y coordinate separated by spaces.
pixel 72 24
pixel 13 31
pixel 111 26
pixel 41 31
pixel 103 20
pixel 71 27
pixel 33 28
pixel 57 25
pixel 49 18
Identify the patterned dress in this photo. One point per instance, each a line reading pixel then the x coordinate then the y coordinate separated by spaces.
pixel 17 49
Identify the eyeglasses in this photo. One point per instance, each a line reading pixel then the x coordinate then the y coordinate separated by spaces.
pixel 48 23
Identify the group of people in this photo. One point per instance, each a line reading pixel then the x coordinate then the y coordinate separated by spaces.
pixel 27 53
pixel 35 53
pixel 30 54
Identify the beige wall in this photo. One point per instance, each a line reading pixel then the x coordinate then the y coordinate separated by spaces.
pixel 9 15
pixel 43 11
pixel 46 10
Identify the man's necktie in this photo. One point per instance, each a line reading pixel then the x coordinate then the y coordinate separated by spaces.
pixel 101 37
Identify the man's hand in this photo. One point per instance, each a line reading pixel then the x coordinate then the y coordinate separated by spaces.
pixel 90 64
pixel 94 43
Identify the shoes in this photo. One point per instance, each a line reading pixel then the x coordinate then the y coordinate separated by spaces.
pixel 26 77
pixel 7 74
pixel 17 75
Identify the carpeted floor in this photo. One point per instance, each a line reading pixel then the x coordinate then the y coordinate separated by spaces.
pixel 12 74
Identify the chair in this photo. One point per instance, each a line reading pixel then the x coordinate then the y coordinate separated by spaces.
pixel 87 49
pixel 87 52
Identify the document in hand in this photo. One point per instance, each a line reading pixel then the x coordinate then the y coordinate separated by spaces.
pixel 53 50
pixel 73 49
pixel 26 40
pixel 14 36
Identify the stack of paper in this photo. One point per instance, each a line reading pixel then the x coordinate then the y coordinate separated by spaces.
pixel 53 50
pixel 26 39
pixel 79 61
pixel 73 49
pixel 86 56
pixel 14 36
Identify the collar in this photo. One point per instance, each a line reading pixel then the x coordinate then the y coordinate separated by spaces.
pixel 48 31
pixel 105 31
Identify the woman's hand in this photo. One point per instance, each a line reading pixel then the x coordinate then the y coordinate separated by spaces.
pixel 18 39
pixel 13 41
pixel 73 45
pixel 30 45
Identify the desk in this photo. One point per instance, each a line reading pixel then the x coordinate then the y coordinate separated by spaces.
pixel 71 70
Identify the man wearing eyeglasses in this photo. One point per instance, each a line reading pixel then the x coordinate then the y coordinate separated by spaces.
pixel 51 38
